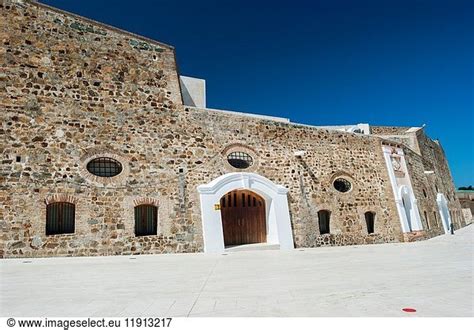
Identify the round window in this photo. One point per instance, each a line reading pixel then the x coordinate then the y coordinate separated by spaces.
pixel 104 167
pixel 342 185
pixel 240 159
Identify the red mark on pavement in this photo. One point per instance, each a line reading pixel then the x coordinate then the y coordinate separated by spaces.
pixel 409 310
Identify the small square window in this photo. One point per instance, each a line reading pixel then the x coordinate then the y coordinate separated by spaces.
pixel 18 159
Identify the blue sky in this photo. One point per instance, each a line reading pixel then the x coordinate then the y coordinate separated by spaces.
pixel 393 63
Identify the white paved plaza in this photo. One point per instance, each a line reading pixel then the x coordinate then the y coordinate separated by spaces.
pixel 435 277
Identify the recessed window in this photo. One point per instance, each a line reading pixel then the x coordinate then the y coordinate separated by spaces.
pixel 60 218
pixel 424 193
pixel 240 159
pixel 104 167
pixel 323 217
pixel 342 185
pixel 370 222
pixel 146 220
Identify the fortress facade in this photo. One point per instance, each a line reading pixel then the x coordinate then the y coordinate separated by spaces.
pixel 107 150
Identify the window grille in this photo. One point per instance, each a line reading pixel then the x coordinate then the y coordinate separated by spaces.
pixel 342 185
pixel 146 220
pixel 60 218
pixel 240 159
pixel 104 167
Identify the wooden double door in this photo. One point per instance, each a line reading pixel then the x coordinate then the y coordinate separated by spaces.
pixel 243 218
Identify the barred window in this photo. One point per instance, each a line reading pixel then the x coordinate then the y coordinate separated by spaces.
pixel 240 159
pixel 370 222
pixel 342 185
pixel 60 218
pixel 104 167
pixel 323 217
pixel 146 220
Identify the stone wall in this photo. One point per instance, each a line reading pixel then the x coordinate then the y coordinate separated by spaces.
pixel 425 194
pixel 466 198
pixel 467 214
pixel 69 89
pixel 72 89
pixel 440 180
pixel 429 173
pixel 388 130
pixel 328 155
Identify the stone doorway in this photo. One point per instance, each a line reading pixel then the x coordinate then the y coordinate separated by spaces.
pixel 243 216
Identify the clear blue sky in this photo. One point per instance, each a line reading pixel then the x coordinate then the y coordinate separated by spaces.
pixel 394 63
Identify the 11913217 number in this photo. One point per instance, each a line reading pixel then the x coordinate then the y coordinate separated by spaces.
pixel 148 322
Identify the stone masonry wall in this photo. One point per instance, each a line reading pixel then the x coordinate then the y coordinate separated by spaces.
pixel 72 90
pixel 328 155
pixel 388 130
pixel 430 175
pixel 434 159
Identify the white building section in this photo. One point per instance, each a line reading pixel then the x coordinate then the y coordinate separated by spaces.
pixel 193 91
pixel 277 212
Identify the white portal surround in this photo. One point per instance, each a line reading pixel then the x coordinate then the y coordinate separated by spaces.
pixel 410 217
pixel 276 201
pixel 409 214
pixel 444 212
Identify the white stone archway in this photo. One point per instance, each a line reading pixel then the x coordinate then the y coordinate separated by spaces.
pixel 444 212
pixel 277 211
pixel 408 210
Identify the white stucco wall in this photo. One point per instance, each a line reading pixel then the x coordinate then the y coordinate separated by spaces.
pixel 193 91
pixel 444 212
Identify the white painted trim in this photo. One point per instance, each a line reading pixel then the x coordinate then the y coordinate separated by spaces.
pixel 444 212
pixel 278 215
pixel 403 189
pixel 393 182
pixel 413 220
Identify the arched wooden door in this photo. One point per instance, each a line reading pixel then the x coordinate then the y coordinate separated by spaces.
pixel 243 218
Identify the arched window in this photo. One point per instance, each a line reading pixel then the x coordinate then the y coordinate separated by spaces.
pixel 427 220
pixel 146 220
pixel 60 218
pixel 370 222
pixel 323 217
